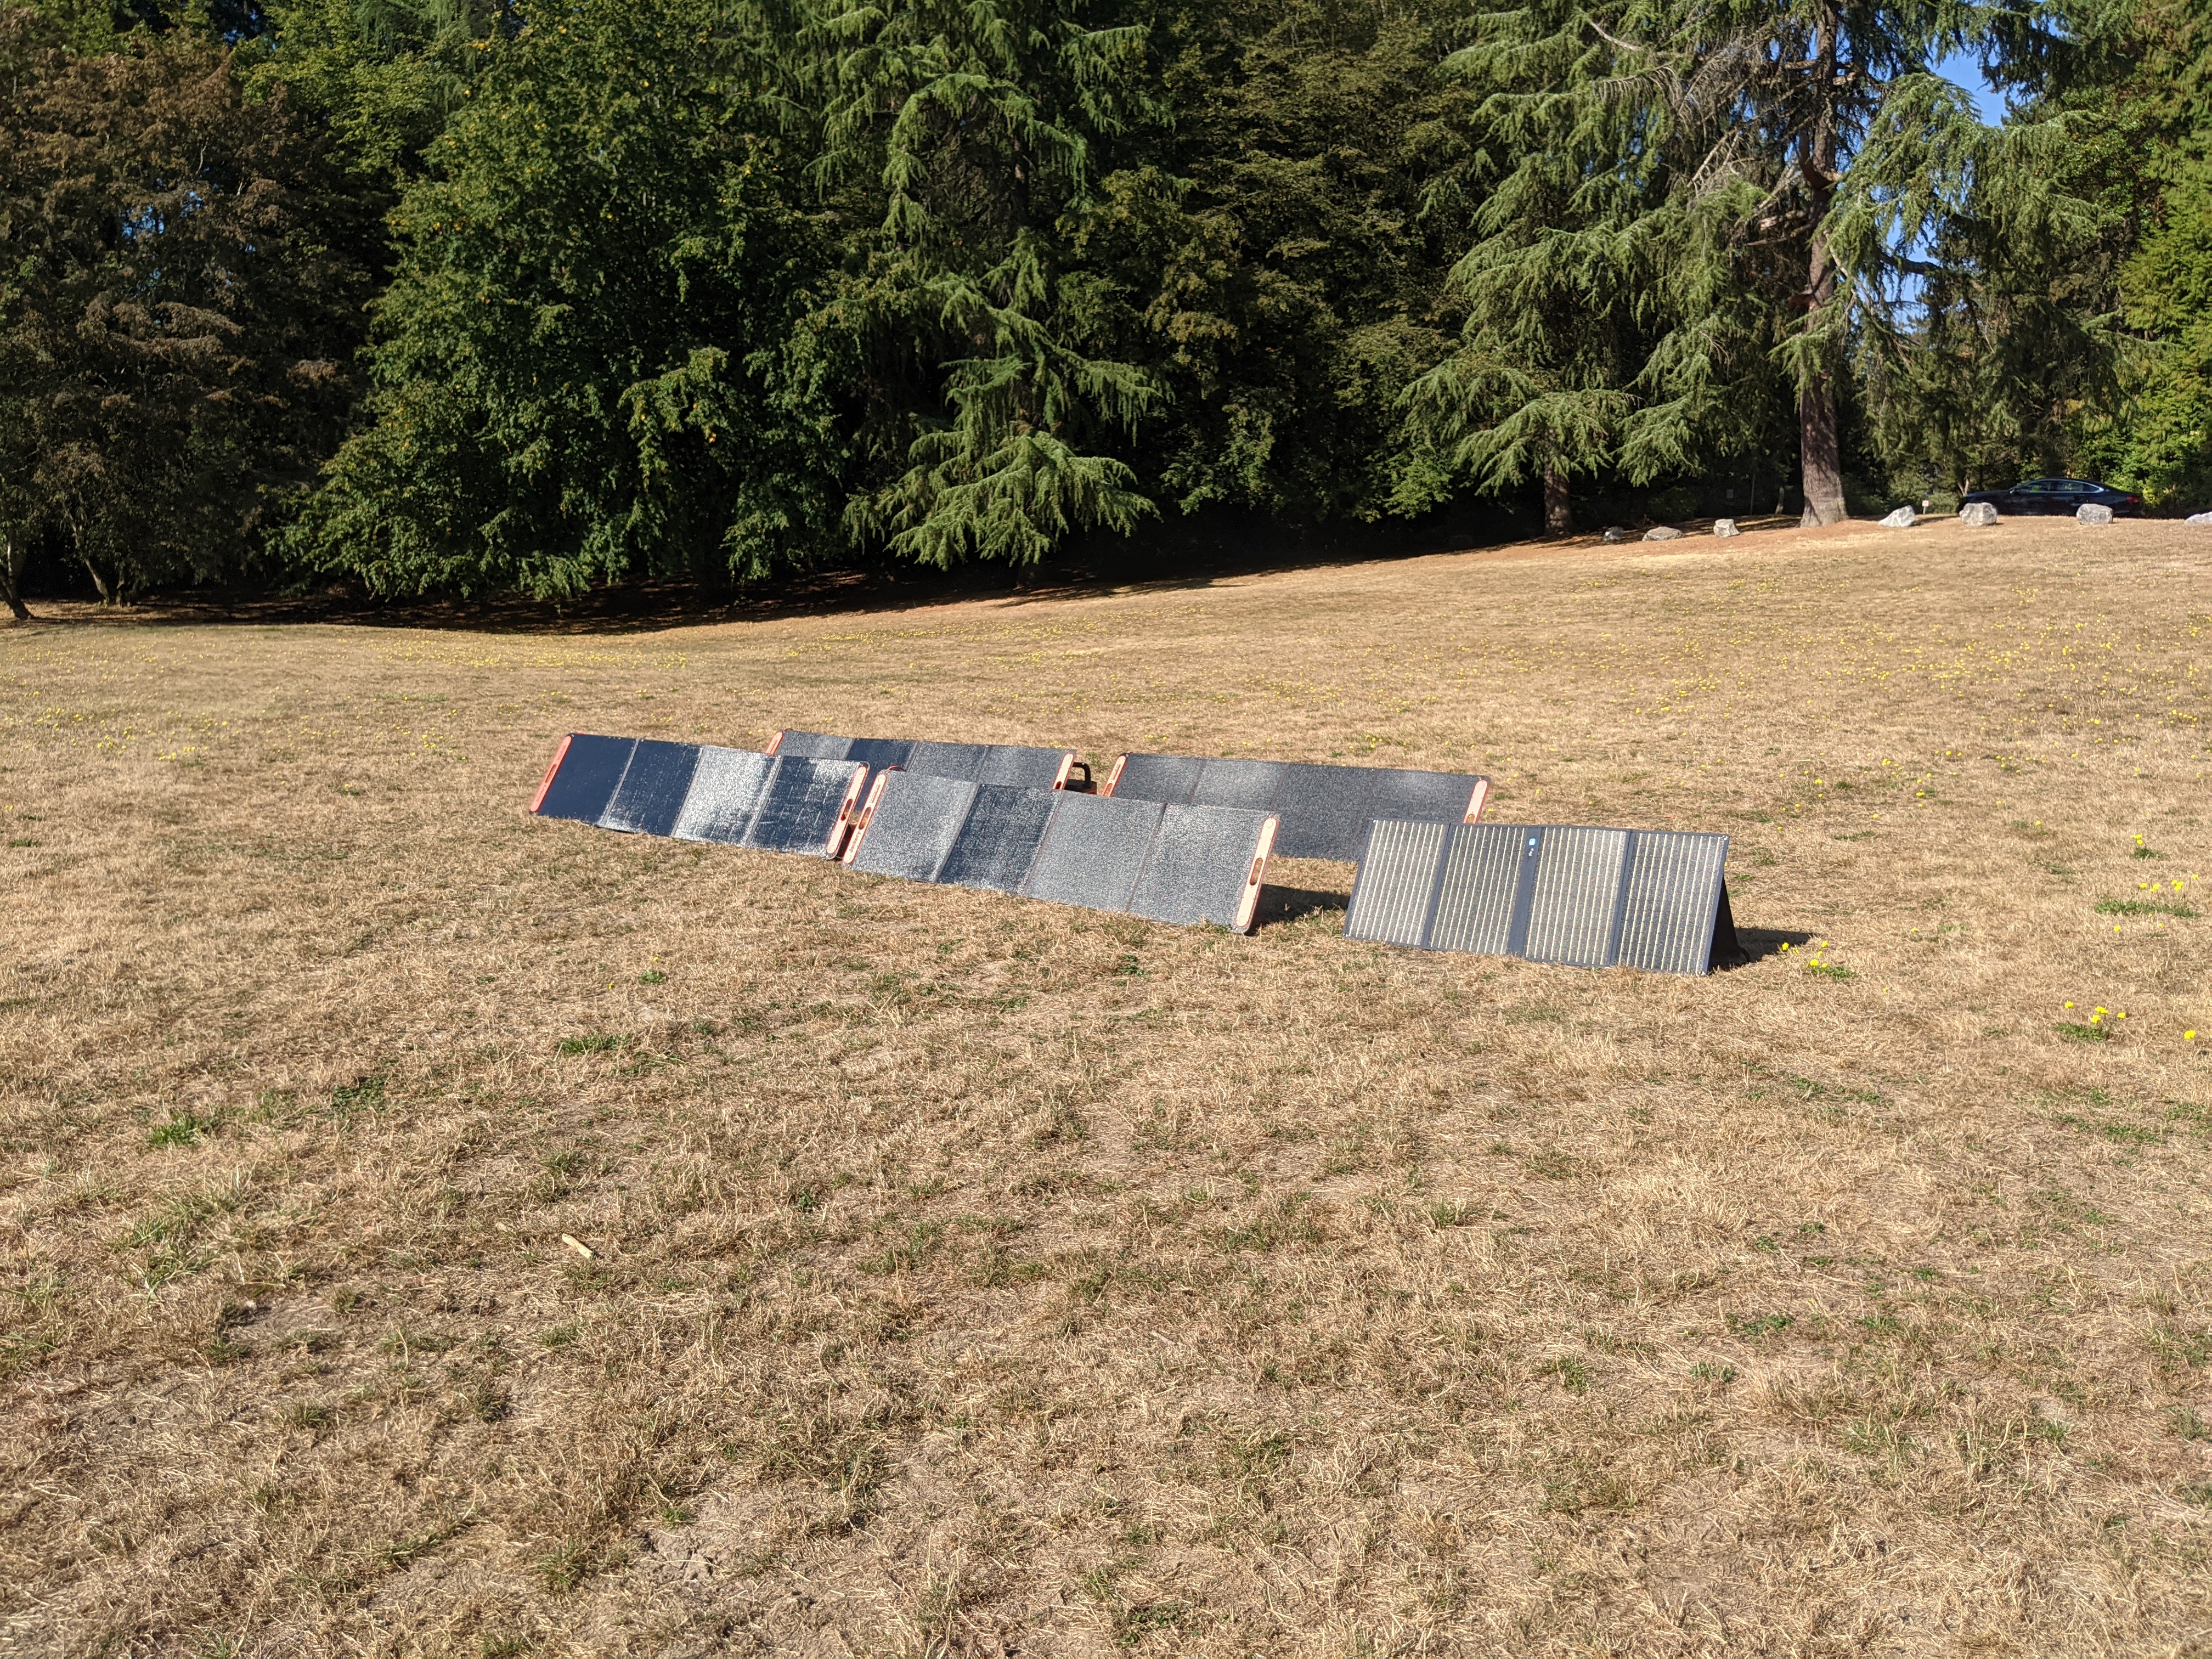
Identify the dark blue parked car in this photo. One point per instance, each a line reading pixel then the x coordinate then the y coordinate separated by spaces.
pixel 2060 496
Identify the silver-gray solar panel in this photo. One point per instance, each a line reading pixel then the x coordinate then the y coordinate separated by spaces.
pixel 878 754
pixel 726 790
pixel 1474 901
pixel 1093 850
pixel 915 821
pixel 1248 785
pixel 1669 920
pixel 949 760
pixel 1325 809
pixel 1564 893
pixel 1577 888
pixel 651 790
pixel 1198 866
pixel 998 839
pixel 1391 904
pixel 1158 777
pixel 814 746
pixel 1021 765
pixel 800 808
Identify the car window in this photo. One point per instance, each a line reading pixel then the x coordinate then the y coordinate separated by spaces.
pixel 2034 487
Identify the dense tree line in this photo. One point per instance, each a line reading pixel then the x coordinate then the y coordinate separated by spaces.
pixel 473 295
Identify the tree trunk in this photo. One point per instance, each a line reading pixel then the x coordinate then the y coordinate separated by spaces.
pixel 1818 446
pixel 98 581
pixel 11 577
pixel 1558 506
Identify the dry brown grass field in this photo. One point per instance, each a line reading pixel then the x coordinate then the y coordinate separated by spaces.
pixel 975 1276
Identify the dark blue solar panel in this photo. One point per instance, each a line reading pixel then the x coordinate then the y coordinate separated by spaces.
pixel 652 787
pixel 949 760
pixel 1199 867
pixel 585 781
pixel 725 793
pixel 915 821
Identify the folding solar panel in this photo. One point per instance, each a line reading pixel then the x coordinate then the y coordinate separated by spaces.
pixel 1204 865
pixel 1093 851
pixel 877 753
pixel 910 823
pixel 1565 893
pixel 949 760
pixel 810 746
pixel 805 806
pixel 1029 768
pixel 1168 778
pixel 651 794
pixel 583 777
pixel 725 793
pixel 1249 785
pixel 1325 809
pixel 998 839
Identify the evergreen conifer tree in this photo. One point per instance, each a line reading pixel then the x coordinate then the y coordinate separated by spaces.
pixel 1689 199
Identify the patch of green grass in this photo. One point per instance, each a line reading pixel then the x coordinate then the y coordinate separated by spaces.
pixel 183 1129
pixel 2143 907
pixel 363 1094
pixel 2127 1135
pixel 1573 1375
pixel 652 976
pixel 1707 1370
pixel 1756 1326
pixel 598 1043
pixel 1829 969
pixel 2074 1032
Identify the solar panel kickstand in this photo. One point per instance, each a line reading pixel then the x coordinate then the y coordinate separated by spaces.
pixel 1086 784
pixel 1249 906
pixel 865 815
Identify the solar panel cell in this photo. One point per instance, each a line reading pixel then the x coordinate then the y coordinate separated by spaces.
pixel 1481 876
pixel 877 753
pixel 1578 874
pixel 801 807
pixel 1424 796
pixel 1157 777
pixel 1023 767
pixel 585 777
pixel 1198 866
pixel 916 820
pixel 813 745
pixel 1093 850
pixel 651 790
pixel 1325 812
pixel 1390 897
pixel 1674 896
pixel 725 792
pixel 1248 785
pixel 948 759
pixel 997 841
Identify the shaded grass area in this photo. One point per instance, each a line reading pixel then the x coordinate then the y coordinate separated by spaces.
pixel 428 1230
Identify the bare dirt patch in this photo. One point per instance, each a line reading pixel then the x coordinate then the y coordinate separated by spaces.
pixel 976 1276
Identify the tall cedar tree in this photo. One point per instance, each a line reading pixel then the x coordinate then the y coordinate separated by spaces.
pixel 1689 198
pixel 576 366
pixel 960 141
pixel 177 311
pixel 1268 258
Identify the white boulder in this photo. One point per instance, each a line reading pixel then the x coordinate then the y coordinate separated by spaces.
pixel 1903 518
pixel 2198 517
pixel 1725 527
pixel 2090 512
pixel 1977 512
pixel 1614 533
pixel 1665 532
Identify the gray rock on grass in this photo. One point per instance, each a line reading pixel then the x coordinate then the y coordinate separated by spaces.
pixel 2090 512
pixel 1977 512
pixel 1725 527
pixel 1903 518
pixel 1665 532
pixel 1614 533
